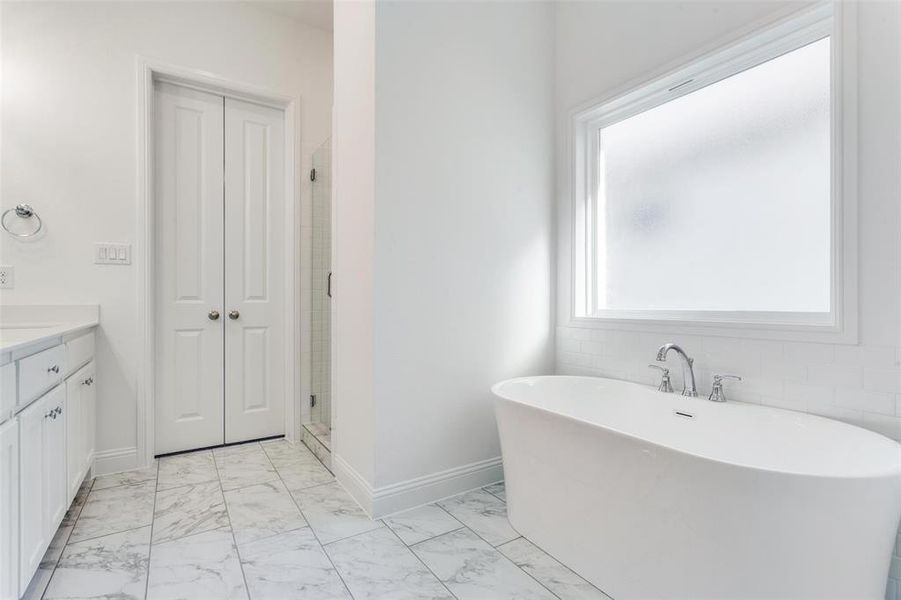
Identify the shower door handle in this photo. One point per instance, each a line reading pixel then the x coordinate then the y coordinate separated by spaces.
pixel 328 287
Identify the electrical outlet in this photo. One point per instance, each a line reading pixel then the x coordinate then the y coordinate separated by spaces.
pixel 7 278
pixel 107 253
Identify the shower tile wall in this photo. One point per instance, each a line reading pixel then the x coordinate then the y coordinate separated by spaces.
pixel 321 265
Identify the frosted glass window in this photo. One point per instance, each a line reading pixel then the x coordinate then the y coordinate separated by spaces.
pixel 719 200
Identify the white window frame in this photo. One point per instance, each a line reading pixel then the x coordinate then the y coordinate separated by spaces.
pixel 838 21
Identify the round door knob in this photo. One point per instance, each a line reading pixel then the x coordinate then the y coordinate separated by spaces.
pixel 214 314
pixel 234 315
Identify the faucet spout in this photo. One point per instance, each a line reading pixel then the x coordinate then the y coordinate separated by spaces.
pixel 688 374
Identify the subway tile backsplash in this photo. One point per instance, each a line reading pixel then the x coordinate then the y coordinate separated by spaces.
pixel 857 384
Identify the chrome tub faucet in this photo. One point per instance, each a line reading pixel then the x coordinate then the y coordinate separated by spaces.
pixel 688 375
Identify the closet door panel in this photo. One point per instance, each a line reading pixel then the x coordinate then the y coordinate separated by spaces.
pixel 255 271
pixel 188 161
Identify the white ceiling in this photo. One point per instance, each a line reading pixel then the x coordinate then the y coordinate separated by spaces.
pixel 316 13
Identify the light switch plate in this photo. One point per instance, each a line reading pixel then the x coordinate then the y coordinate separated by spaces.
pixel 110 253
pixel 7 278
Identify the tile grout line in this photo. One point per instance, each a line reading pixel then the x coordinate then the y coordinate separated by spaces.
pixel 409 547
pixel 313 531
pixel 518 535
pixel 156 463
pixel 68 537
pixel 97 537
pixel 485 488
pixel 428 538
pixel 156 484
pixel 190 535
pixel 522 537
pixel 555 559
pixel 347 537
pixel 270 536
pixel 422 562
pixel 231 529
pixel 495 548
pixel 285 483
pixel 175 456
pixel 186 485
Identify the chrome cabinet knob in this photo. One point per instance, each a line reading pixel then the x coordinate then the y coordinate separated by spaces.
pixel 214 315
pixel 233 315
pixel 53 369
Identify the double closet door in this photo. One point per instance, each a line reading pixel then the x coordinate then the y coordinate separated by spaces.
pixel 219 196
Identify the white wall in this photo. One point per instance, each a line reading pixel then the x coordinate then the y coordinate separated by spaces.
pixel 603 46
pixel 353 169
pixel 464 182
pixel 69 124
pixel 460 294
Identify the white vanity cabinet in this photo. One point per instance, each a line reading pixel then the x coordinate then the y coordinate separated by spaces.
pixel 40 372
pixel 43 497
pixel 9 510
pixel 7 392
pixel 80 418
pixel 42 477
pixel 47 425
pixel 56 496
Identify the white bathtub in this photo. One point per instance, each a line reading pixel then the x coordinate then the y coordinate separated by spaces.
pixel 733 501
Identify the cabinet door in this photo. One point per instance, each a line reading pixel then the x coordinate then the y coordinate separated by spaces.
pixel 9 510
pixel 89 415
pixel 32 467
pixel 55 482
pixel 74 435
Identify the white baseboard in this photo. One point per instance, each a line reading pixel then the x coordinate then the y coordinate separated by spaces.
pixel 353 482
pixel 115 461
pixel 437 486
pixel 408 494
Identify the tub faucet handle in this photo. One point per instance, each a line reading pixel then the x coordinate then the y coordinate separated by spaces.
pixel 665 384
pixel 716 393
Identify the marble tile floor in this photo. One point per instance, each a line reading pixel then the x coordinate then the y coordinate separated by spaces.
pixel 267 521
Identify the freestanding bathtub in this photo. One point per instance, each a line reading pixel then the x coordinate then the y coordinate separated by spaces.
pixel 652 495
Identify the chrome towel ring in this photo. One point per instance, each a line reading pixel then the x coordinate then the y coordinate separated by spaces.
pixel 23 211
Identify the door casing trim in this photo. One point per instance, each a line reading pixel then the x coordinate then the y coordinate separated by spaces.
pixel 148 72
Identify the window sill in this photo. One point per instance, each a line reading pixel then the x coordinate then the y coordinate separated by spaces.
pixel 816 333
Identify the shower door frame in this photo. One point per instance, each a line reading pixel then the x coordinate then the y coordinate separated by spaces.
pixel 307 413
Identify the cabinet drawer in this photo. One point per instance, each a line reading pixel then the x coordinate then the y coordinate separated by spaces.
pixel 39 372
pixel 79 351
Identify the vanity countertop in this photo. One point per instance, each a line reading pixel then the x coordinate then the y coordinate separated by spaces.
pixel 22 326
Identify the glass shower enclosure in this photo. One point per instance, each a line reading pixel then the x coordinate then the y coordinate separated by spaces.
pixel 321 351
